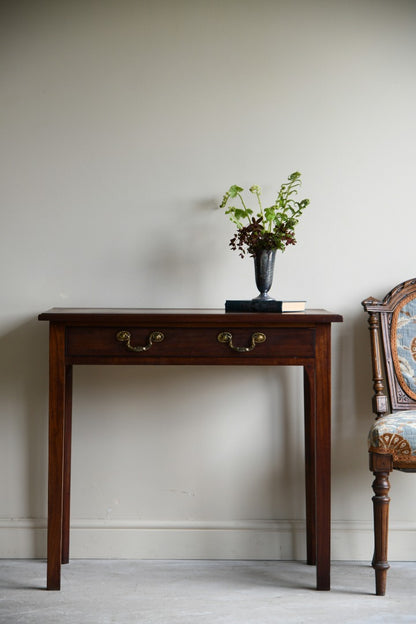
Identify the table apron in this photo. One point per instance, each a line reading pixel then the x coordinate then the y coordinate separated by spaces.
pixel 190 361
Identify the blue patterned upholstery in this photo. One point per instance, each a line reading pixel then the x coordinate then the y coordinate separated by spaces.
pixel 403 343
pixel 395 435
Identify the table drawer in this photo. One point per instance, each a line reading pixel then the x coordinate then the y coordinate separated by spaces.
pixel 183 342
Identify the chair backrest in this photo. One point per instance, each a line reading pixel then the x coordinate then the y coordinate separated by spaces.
pixel 392 324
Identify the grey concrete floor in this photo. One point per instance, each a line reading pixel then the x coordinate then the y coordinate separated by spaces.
pixel 202 592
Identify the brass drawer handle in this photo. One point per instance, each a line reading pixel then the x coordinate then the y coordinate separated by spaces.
pixel 226 337
pixel 125 336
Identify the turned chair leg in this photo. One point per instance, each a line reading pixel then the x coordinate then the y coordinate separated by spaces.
pixel 381 466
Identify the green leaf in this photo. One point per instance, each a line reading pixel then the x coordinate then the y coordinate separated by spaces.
pixel 269 213
pixel 235 190
pixel 224 200
pixel 240 213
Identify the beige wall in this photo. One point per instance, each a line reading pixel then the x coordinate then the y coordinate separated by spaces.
pixel 122 123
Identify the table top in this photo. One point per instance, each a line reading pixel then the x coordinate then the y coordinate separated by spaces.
pixel 181 315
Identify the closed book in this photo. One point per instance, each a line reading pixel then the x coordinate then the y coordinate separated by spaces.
pixel 253 305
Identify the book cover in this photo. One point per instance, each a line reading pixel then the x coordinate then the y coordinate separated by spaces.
pixel 251 305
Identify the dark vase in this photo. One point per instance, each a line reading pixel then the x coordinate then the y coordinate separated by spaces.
pixel 263 268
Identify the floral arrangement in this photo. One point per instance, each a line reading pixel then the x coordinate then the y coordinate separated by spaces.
pixel 270 228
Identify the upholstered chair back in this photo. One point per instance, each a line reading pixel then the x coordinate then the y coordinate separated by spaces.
pixel 392 324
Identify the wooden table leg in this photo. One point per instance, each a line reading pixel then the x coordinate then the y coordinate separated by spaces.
pixel 56 452
pixel 310 474
pixel 323 456
pixel 67 465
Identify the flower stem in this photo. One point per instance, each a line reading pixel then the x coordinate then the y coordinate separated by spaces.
pixel 242 201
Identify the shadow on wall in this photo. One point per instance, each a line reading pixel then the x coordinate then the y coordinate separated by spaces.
pixel 212 454
pixel 180 270
pixel 24 415
pixel 285 391
pixel 198 401
pixel 351 379
pixel 362 367
pixel 351 417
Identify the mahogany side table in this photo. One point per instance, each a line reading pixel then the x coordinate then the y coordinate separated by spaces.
pixel 82 336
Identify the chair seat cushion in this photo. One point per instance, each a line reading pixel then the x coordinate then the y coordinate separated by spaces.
pixel 395 434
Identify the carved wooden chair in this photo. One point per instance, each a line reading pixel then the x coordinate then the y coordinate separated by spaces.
pixel 392 438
